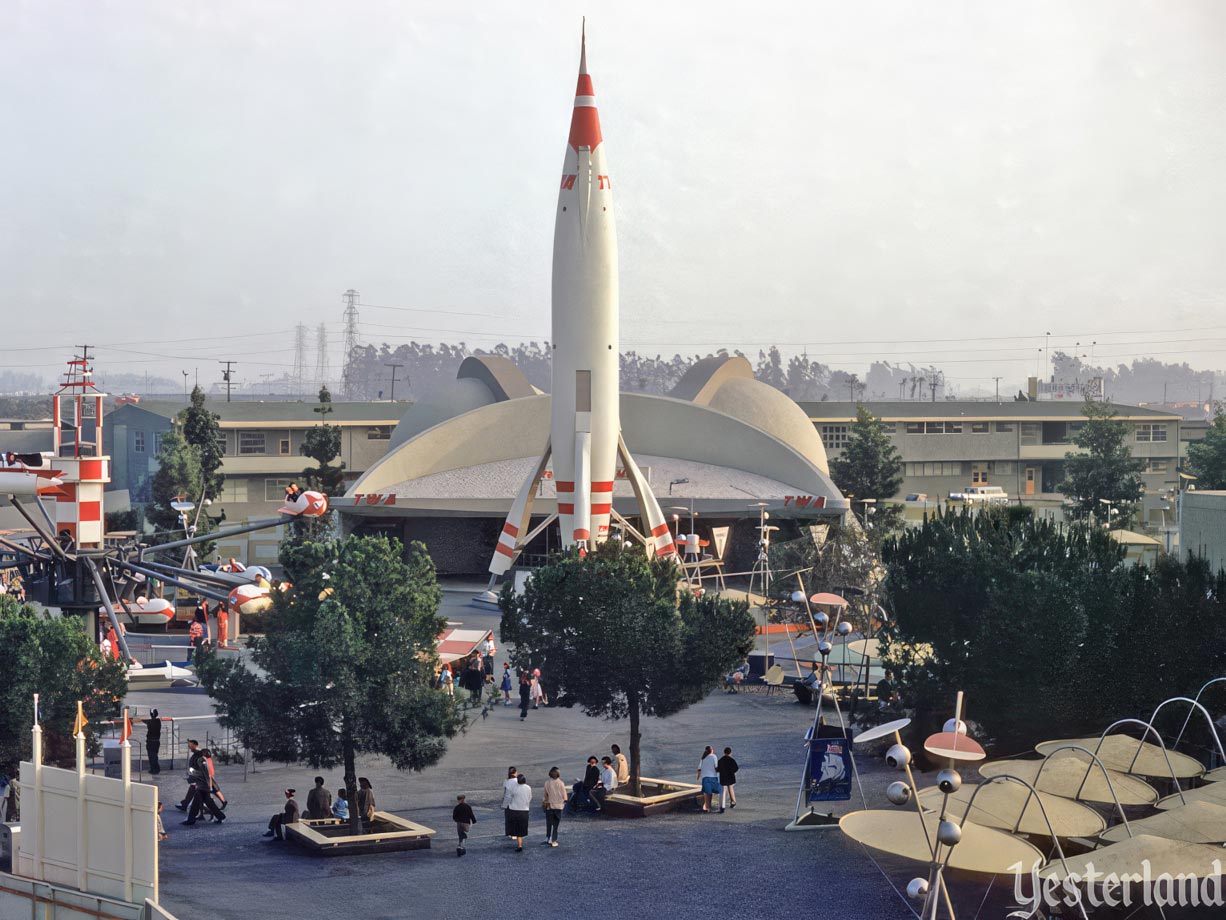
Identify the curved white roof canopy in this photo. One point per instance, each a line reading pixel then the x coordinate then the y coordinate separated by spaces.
pixel 741 442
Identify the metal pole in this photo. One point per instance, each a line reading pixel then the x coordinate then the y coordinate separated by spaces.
pixel 106 603
pixel 215 535
pixel 194 589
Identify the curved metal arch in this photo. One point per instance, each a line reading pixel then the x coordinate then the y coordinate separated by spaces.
pixel 1149 729
pixel 1206 686
pixel 1196 706
pixel 1106 776
pixel 1033 793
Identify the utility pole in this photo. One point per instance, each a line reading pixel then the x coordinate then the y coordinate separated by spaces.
pixel 227 374
pixel 997 379
pixel 394 368
pixel 350 297
pixel 185 384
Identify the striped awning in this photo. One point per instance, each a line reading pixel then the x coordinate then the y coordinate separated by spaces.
pixel 460 643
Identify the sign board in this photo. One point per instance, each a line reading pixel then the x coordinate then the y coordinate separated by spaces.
pixel 830 770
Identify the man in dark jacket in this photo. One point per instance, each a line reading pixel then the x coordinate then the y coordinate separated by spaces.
pixel 201 796
pixel 153 740
pixel 288 815
pixel 319 801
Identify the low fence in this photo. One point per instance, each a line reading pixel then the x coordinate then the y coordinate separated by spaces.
pixel 25 899
pixel 176 730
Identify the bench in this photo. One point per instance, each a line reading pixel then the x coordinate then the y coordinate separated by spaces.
pixel 668 795
pixel 323 837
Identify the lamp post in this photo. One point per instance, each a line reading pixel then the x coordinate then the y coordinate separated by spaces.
pixel 1110 510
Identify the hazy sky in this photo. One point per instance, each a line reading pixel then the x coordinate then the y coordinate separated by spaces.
pixel 815 174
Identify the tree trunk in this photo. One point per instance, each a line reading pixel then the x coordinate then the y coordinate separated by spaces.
pixel 351 786
pixel 636 772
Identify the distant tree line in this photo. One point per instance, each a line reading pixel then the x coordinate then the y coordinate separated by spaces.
pixel 1145 380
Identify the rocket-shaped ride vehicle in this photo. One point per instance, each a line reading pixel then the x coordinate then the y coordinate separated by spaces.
pixel 585 428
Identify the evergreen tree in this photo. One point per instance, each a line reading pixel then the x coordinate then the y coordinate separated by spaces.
pixel 201 431
pixel 870 468
pixel 1106 471
pixel 1207 458
pixel 323 445
pixel 612 632
pixel 347 664
pixel 178 478
pixel 1042 626
pixel 57 660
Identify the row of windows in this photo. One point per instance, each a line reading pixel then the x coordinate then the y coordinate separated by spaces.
pixel 957 427
pixel 978 470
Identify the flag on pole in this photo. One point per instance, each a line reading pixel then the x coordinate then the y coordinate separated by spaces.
pixel 78 727
pixel 126 732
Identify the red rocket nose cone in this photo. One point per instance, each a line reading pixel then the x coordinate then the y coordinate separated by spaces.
pixel 585 122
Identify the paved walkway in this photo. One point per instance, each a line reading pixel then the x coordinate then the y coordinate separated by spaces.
pixel 740 864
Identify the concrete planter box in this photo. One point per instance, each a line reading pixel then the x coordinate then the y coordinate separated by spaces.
pixel 386 834
pixel 659 796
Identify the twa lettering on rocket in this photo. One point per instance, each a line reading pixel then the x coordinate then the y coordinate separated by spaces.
pixel 585 427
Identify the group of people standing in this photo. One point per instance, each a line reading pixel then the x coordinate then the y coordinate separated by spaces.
pixel 718 778
pixel 198 632
pixel 480 671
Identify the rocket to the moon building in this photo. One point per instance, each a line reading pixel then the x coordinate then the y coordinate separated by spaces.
pixel 585 428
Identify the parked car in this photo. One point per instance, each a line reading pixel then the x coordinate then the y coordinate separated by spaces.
pixel 981 495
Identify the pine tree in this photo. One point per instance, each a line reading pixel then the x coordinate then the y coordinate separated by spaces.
pixel 201 431
pixel 323 445
pixel 869 467
pixel 347 664
pixel 1106 471
pixel 612 632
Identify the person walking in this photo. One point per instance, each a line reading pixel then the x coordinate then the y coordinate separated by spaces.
pixel 508 784
pixel 476 678
pixel 287 815
pixel 554 801
pixel 490 650
pixel 319 801
pixel 366 799
pixel 621 765
pixel 464 819
pixel 153 741
pixel 725 769
pixel 544 698
pixel 223 626
pixel 505 686
pixel 534 690
pixel 446 682
pixel 708 776
pixel 214 789
pixel 525 692
pixel 201 796
pixel 520 804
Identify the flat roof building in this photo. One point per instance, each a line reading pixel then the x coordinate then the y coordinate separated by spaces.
pixel 1020 446
pixel 261 442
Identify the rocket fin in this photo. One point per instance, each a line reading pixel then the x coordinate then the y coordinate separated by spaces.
pixel 660 539
pixel 509 545
pixel 583 487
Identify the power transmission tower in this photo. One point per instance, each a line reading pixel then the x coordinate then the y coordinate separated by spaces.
pixel 321 356
pixel 394 368
pixel 300 350
pixel 349 384
pixel 227 375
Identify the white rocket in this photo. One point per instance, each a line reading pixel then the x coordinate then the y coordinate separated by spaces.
pixel 585 426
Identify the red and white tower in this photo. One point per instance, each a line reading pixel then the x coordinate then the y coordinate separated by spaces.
pixel 79 454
